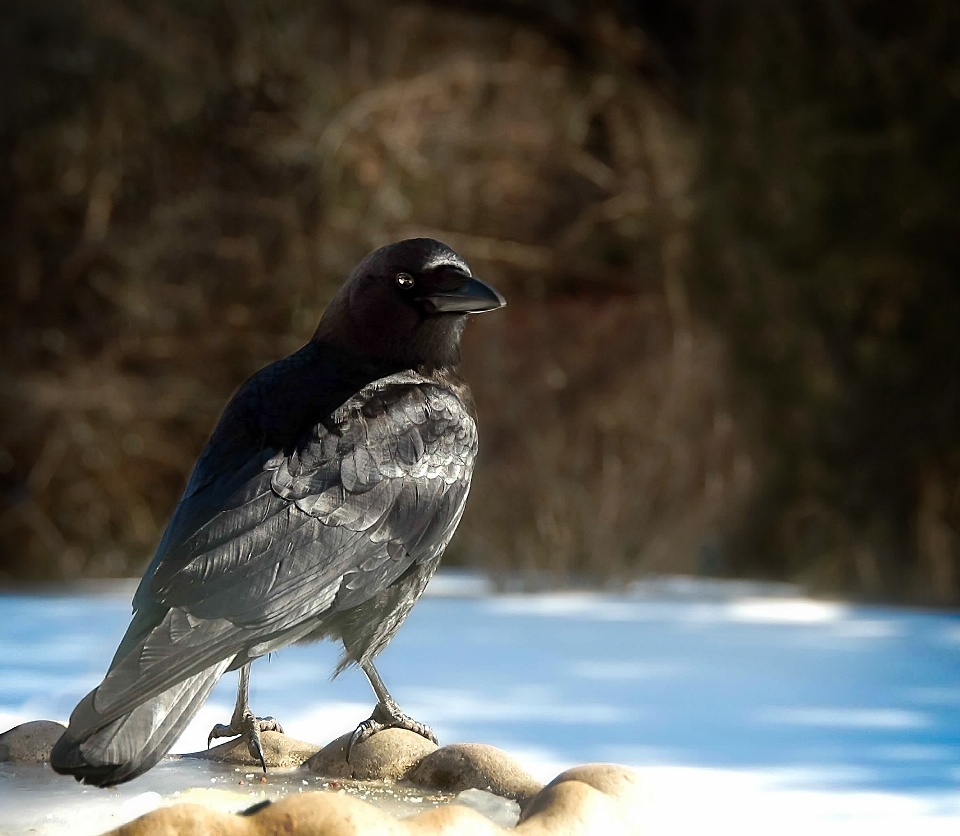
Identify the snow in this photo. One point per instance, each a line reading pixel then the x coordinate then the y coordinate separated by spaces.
pixel 744 708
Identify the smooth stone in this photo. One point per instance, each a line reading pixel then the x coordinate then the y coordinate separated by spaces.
pixel 30 742
pixel 386 756
pixel 308 814
pixel 605 796
pixel 279 751
pixel 592 799
pixel 618 781
pixel 463 766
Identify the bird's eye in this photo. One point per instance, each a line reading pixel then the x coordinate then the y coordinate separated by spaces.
pixel 405 280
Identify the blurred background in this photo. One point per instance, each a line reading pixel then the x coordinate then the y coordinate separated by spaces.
pixel 727 230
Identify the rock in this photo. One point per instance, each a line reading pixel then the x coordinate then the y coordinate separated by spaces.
pixel 386 756
pixel 30 742
pixel 279 751
pixel 307 814
pixel 397 754
pixel 331 760
pixel 463 766
pixel 595 798
pixel 621 782
pixel 603 796
pixel 598 798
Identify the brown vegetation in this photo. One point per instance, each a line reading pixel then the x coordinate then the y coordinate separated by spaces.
pixel 828 256
pixel 183 220
pixel 716 290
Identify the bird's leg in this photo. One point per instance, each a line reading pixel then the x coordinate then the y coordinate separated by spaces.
pixel 387 714
pixel 243 722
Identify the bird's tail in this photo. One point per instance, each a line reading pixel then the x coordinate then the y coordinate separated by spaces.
pixel 108 753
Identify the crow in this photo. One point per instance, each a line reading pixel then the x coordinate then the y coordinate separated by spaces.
pixel 319 509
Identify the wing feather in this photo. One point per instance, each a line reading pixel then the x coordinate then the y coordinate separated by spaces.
pixel 266 541
pixel 373 487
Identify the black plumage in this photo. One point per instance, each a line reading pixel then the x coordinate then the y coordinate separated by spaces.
pixel 319 508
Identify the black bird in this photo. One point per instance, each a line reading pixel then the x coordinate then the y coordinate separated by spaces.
pixel 319 508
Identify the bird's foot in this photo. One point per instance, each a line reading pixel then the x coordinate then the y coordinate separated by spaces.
pixel 387 716
pixel 248 727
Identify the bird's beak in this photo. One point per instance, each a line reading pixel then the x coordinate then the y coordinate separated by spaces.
pixel 473 296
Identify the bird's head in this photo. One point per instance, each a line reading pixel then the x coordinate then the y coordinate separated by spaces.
pixel 406 304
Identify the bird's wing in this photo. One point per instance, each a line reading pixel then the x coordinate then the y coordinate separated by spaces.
pixel 364 494
pixel 259 552
pixel 329 523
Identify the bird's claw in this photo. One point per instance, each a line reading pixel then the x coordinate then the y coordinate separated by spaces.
pixel 364 731
pixel 218 731
pixel 248 727
pixel 387 717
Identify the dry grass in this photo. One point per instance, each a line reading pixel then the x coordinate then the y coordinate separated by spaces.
pixel 183 220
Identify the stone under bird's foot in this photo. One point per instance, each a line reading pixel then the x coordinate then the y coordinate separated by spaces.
pixel 248 727
pixel 387 715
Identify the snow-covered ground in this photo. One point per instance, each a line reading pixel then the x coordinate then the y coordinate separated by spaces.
pixel 747 709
